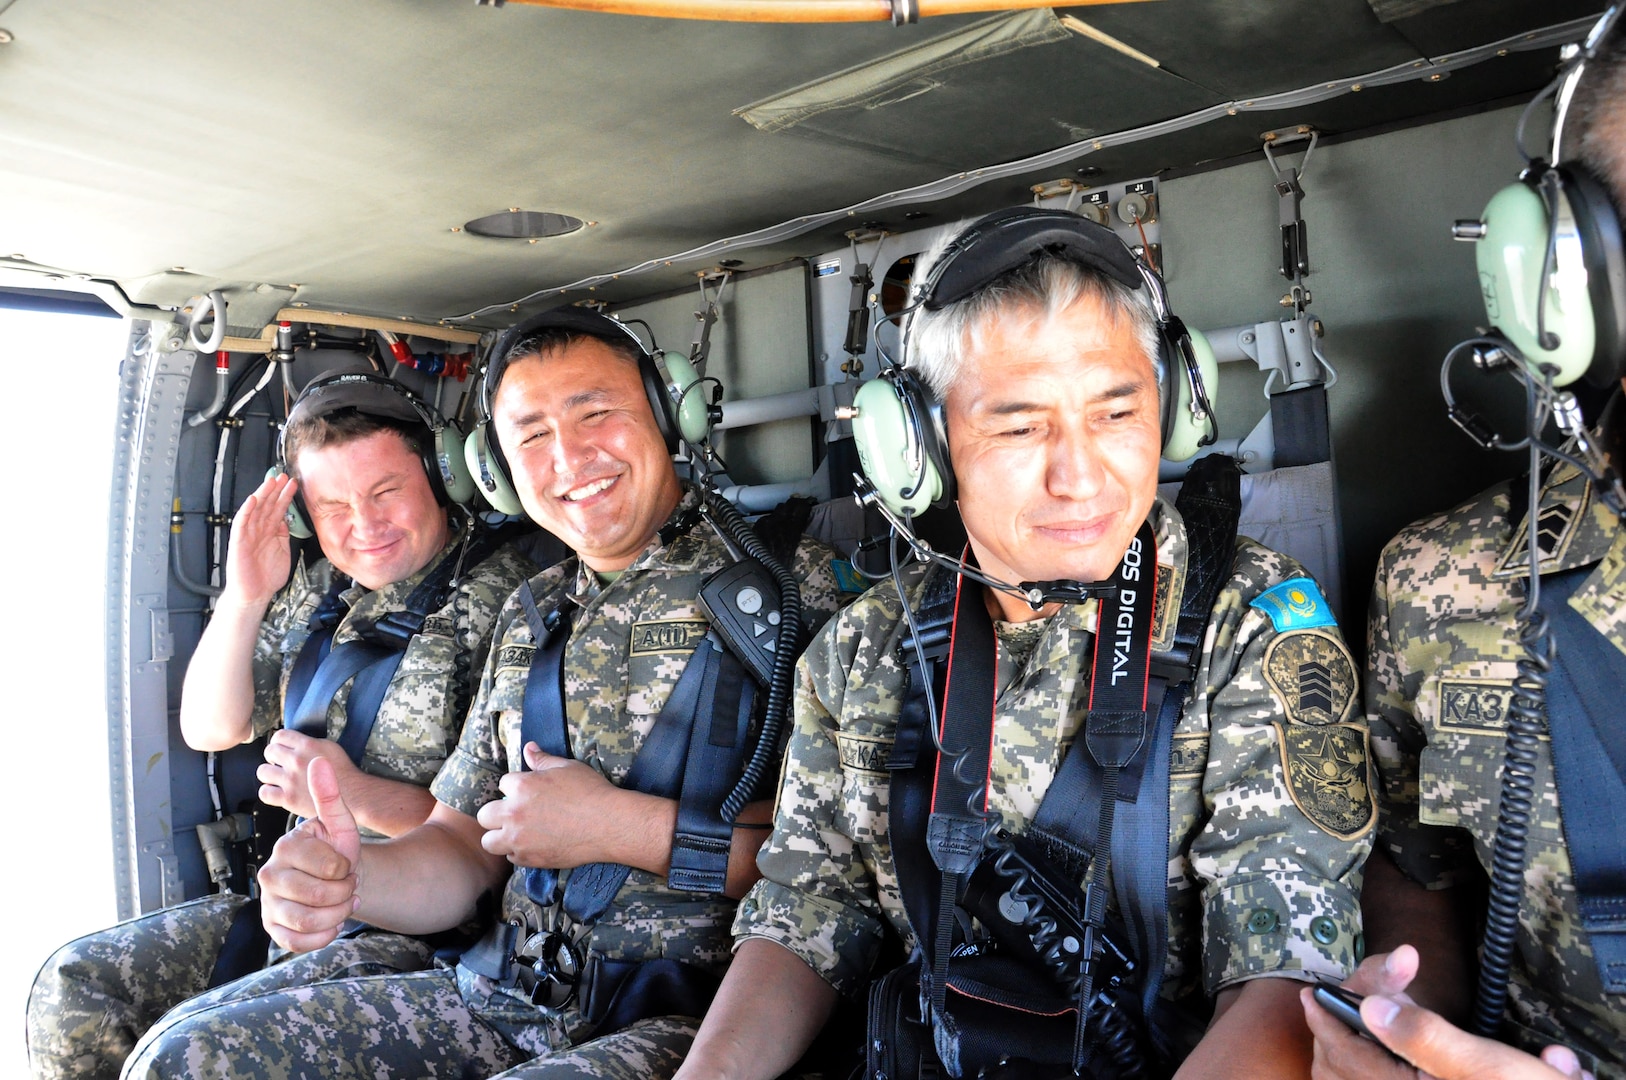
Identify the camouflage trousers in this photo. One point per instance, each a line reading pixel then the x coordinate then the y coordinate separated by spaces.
pixel 96 995
pixel 415 1025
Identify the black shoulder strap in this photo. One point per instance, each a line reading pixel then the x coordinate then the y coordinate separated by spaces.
pixel 1209 503
pixel 373 658
pixel 542 713
pixel 693 753
pixel 323 621
pixel 781 528
pixel 935 809
pixel 1589 766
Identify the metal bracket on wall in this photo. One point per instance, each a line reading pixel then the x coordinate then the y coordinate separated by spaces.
pixel 169 882
pixel 1283 350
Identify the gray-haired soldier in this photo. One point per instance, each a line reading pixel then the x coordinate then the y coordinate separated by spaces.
pixel 1035 334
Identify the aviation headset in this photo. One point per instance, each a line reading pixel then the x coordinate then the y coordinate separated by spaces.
pixel 1557 226
pixel 377 396
pixel 898 422
pixel 670 382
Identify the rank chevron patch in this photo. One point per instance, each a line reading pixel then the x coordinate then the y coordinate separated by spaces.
pixel 1313 675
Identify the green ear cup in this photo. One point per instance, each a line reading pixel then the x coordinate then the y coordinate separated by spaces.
pixel 455 475
pixel 1186 431
pixel 298 527
pixel 1510 258
pixel 488 475
pixel 895 463
pixel 689 405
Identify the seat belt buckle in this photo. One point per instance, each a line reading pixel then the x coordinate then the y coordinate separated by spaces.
pixel 396 628
pixel 699 863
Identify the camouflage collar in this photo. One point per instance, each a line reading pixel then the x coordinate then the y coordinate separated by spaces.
pixel 673 548
pixel 1573 527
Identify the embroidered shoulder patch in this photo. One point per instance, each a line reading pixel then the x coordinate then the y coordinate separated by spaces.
pixel 1295 604
pixel 848 580
pixel 1328 777
pixel 668 635
pixel 1313 675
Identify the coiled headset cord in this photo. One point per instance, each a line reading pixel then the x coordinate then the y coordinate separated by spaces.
pixel 733 523
pixel 1527 720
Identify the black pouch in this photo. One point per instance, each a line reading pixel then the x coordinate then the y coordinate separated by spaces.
pixel 1000 1021
pixel 615 993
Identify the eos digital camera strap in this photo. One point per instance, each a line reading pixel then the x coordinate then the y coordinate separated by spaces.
pixel 1114 735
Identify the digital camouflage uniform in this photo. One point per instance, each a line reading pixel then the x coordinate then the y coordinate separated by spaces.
pixel 1270 808
pixel 629 642
pixel 1444 643
pixel 96 995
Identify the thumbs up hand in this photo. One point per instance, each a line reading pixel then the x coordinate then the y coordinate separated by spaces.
pixel 562 813
pixel 309 886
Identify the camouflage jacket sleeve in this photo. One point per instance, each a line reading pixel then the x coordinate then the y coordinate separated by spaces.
pixel 1287 787
pixel 819 897
pixel 1432 855
pixel 472 772
pixel 281 635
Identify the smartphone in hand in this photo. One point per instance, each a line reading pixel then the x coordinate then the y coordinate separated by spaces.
pixel 1345 1006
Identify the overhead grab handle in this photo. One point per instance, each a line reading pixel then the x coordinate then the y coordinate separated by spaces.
pixel 213 304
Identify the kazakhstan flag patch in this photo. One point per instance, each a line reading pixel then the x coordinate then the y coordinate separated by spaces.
pixel 1295 604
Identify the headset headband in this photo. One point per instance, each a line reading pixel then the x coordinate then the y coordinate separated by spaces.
pixel 1010 239
pixel 1570 78
pixel 581 320
pixel 360 390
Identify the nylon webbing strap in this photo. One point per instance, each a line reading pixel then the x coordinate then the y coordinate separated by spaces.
pixel 929 642
pixel 1209 504
pixel 693 754
pixel 345 662
pixel 542 713
pixel 1589 765
pixel 1298 419
pixel 656 770
pixel 912 761
pixel 703 840
pixel 1115 727
pixel 366 698
pixel 323 621
pixel 372 658
pixel 958 820
pixel 245 949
